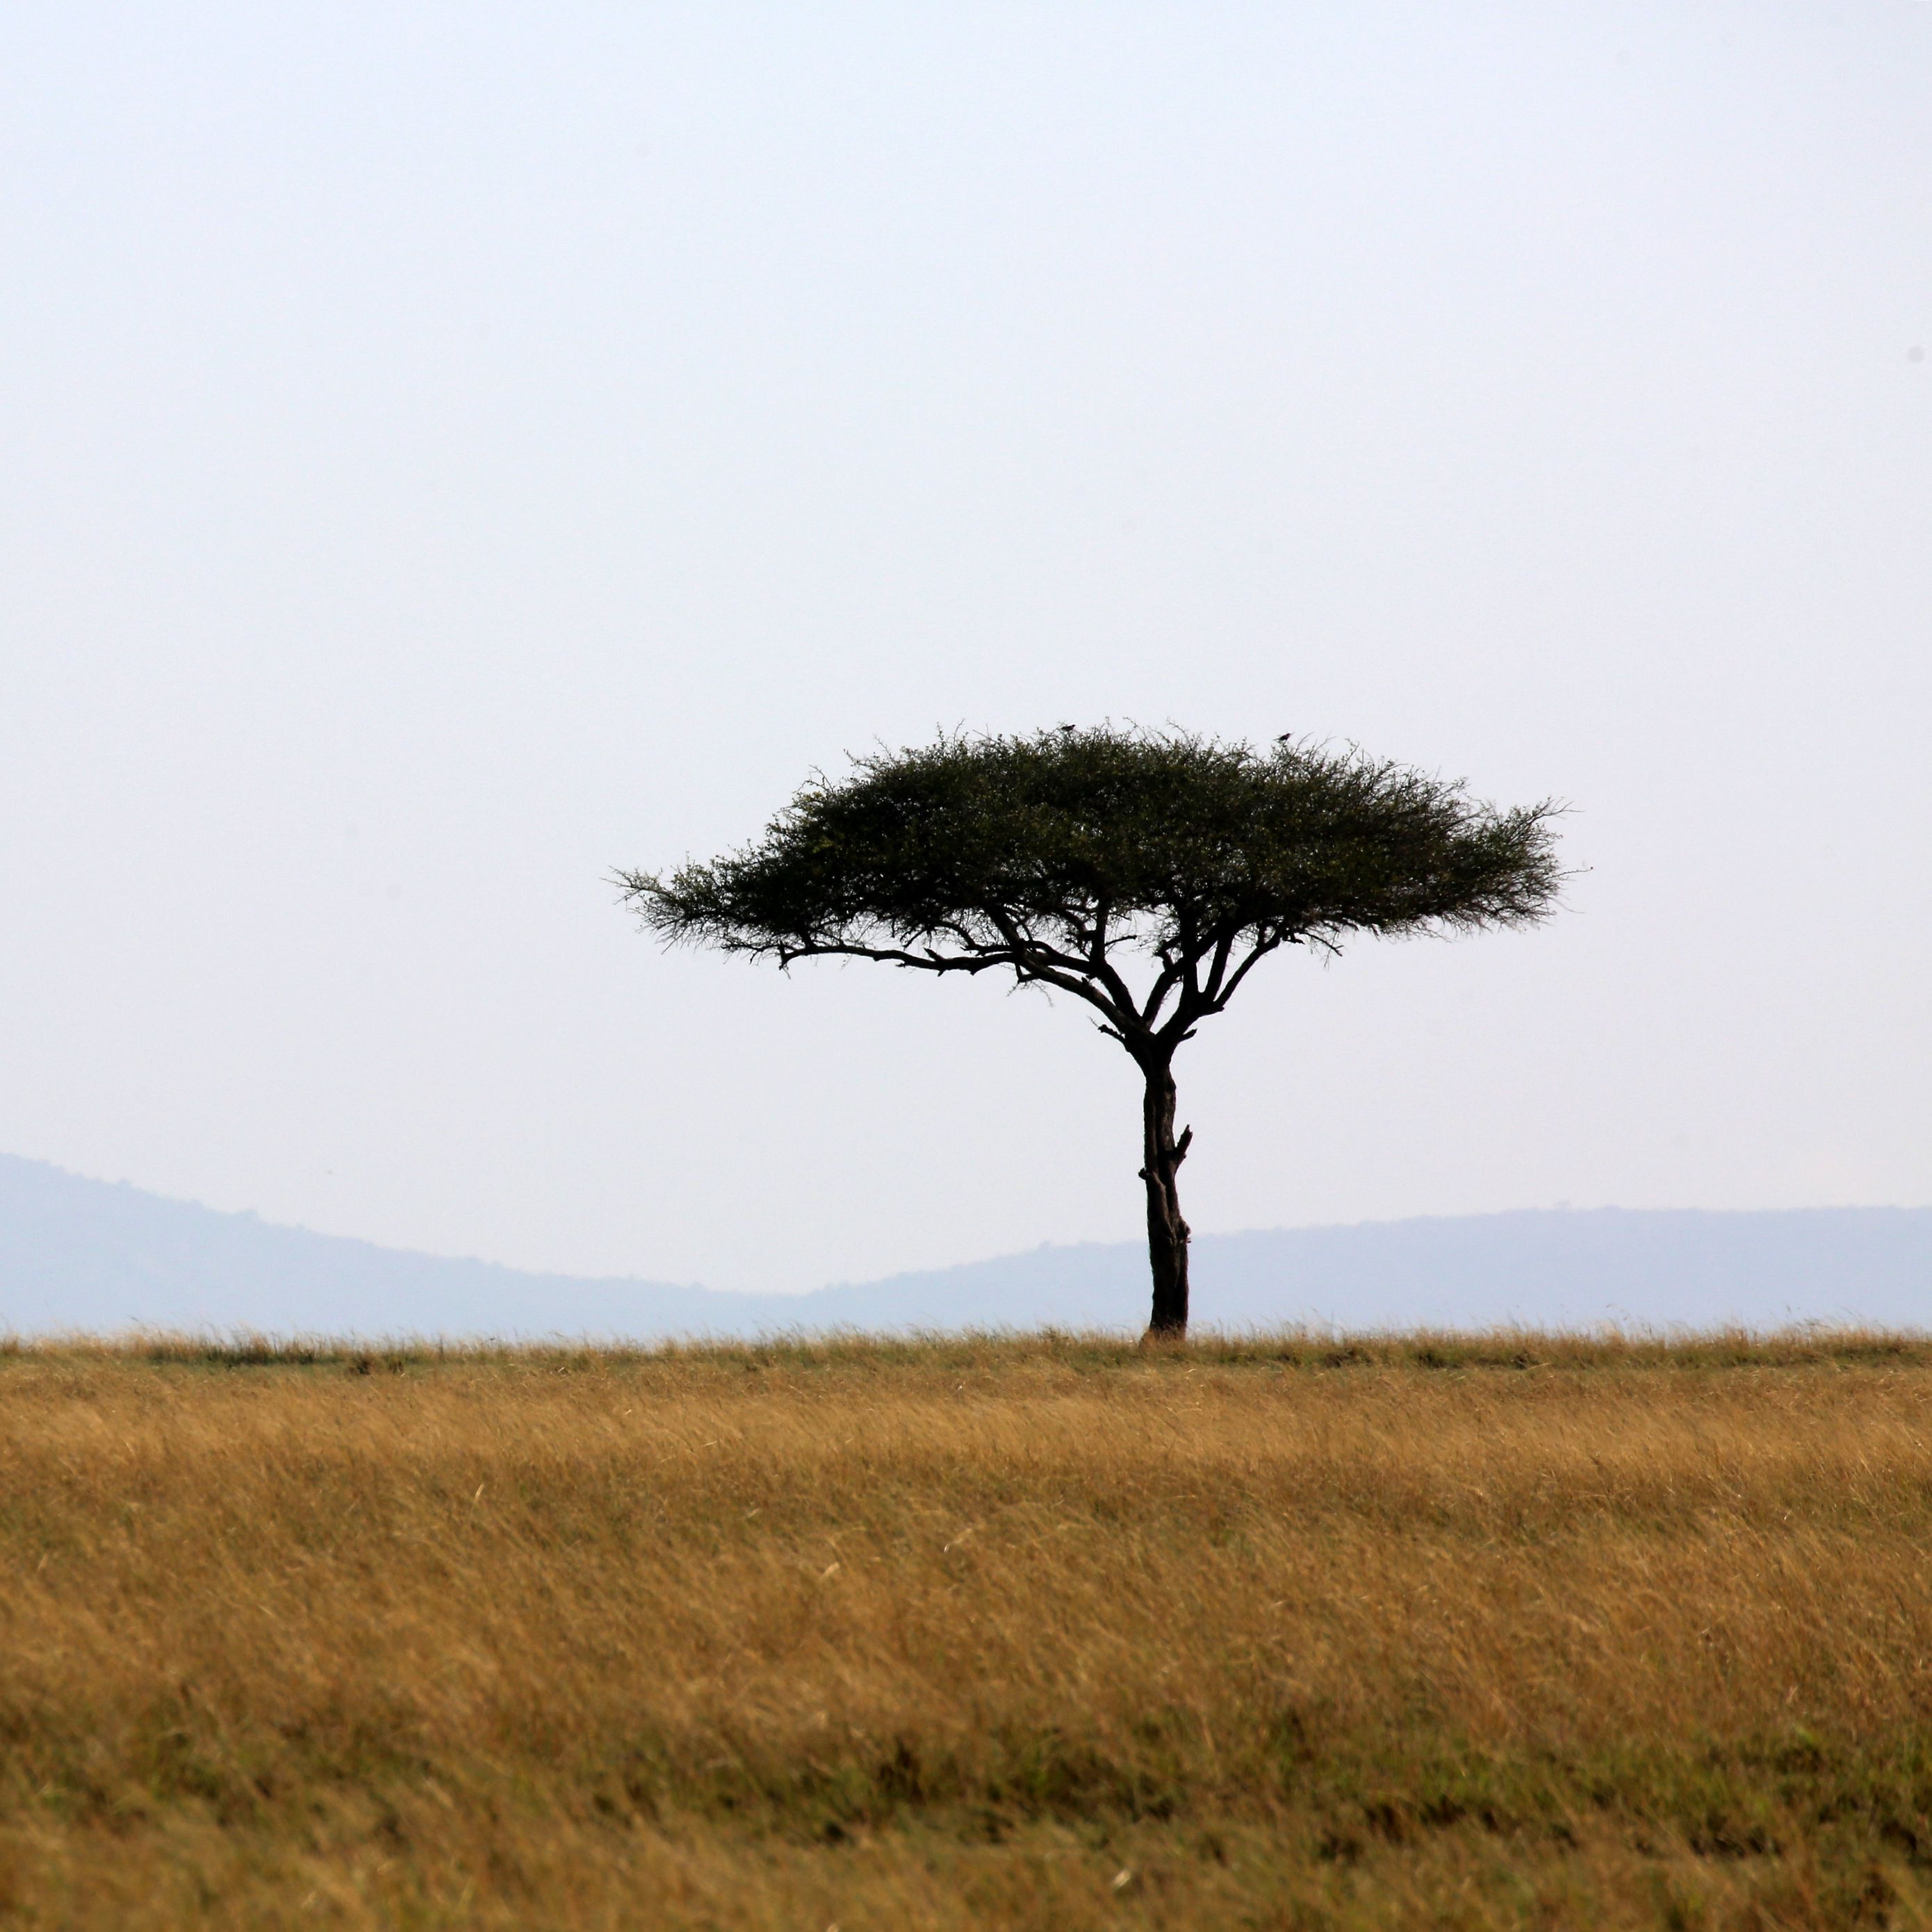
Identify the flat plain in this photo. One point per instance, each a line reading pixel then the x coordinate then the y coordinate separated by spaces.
pixel 1506 1630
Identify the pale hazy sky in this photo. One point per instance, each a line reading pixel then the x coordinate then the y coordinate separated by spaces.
pixel 454 450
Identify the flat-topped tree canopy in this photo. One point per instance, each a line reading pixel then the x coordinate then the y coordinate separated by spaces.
pixel 1060 856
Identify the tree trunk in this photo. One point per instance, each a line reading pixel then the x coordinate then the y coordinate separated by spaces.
pixel 1167 1232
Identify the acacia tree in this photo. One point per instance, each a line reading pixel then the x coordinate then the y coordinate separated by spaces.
pixel 1147 874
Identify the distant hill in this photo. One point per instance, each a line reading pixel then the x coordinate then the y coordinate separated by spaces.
pixel 85 1255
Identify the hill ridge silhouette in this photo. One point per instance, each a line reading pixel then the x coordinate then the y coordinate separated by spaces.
pixel 81 1255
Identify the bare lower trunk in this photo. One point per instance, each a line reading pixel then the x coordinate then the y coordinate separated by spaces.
pixel 1167 1232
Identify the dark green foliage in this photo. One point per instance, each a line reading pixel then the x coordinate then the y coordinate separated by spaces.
pixel 1044 854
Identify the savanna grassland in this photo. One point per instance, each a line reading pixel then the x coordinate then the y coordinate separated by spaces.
pixel 1045 1634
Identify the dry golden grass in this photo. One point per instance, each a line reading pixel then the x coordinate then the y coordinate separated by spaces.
pixel 1025 1633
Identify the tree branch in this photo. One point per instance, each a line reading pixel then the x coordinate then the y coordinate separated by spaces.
pixel 1030 960
pixel 1264 944
pixel 1101 967
pixel 1223 946
pixel 931 961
